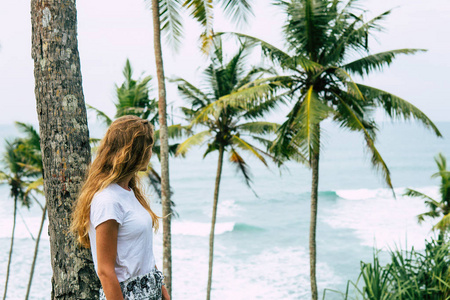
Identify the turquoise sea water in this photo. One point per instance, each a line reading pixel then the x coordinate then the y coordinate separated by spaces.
pixel 261 246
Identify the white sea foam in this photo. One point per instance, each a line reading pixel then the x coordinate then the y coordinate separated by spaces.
pixel 225 208
pixel 381 220
pixel 200 229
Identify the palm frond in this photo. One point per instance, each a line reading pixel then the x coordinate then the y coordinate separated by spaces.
pixel 203 12
pixel 377 160
pixel 242 99
pixel 353 37
pixel 259 128
pixel 414 193
pixel 311 112
pixel 366 65
pixel 236 140
pixel 194 140
pixel 171 22
pixel 190 92
pixel 32 134
pixel 430 214
pixel 237 10
pixel 100 115
pixel 241 166
pixel 443 224
pixel 396 107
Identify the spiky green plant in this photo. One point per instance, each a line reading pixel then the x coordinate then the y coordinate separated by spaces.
pixel 410 274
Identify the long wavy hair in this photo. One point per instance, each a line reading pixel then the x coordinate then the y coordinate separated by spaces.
pixel 124 150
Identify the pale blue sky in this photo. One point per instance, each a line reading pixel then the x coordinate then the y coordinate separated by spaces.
pixel 110 31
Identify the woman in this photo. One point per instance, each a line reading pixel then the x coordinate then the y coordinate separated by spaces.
pixel 113 217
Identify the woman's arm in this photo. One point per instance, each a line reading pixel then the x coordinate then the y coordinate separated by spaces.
pixel 106 240
pixel 165 293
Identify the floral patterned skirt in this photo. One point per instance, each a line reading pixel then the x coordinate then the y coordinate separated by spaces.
pixel 142 287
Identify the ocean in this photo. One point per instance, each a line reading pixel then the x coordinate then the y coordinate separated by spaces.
pixel 261 245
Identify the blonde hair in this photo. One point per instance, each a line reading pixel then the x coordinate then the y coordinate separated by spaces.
pixel 124 150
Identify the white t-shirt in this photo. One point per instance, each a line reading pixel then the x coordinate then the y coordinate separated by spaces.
pixel 135 237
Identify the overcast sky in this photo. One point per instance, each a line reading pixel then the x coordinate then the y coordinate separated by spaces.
pixel 111 31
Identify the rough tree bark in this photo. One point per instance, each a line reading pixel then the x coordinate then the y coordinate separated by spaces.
pixel 64 140
pixel 213 221
pixel 313 221
pixel 164 141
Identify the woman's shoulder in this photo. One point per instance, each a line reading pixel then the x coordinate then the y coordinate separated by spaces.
pixel 106 195
pixel 107 204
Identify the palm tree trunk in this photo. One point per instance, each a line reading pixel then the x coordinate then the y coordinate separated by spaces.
pixel 313 221
pixel 213 220
pixel 165 185
pixel 64 140
pixel 10 248
pixel 36 248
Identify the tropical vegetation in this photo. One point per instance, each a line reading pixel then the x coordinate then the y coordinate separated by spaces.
pixel 410 274
pixel 166 15
pixel 438 208
pixel 322 40
pixel 232 129
pixel 316 74
pixel 22 171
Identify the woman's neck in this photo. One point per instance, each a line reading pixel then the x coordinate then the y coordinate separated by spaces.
pixel 125 183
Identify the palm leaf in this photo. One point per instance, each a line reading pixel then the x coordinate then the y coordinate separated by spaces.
pixel 258 127
pixel 247 147
pixel 377 61
pixel 171 22
pixel 311 112
pixel 100 115
pixel 377 160
pixel 241 166
pixel 194 140
pixel 203 12
pixel 396 107
pixel 245 98
pixel 414 193
pixel 190 92
pixel 237 10
pixel 32 134
pixel 444 223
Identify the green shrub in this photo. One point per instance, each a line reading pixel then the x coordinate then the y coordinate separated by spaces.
pixel 423 275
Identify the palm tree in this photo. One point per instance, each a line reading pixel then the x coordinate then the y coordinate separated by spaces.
pixel 167 19
pixel 31 160
pixel 227 128
pixel 14 175
pixel 438 208
pixel 321 37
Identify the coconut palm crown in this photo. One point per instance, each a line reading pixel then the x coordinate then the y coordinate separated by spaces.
pixel 229 126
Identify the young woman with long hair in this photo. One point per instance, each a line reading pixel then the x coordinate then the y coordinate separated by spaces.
pixel 113 218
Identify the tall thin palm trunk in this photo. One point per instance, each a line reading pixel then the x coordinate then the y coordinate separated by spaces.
pixel 213 220
pixel 10 248
pixel 313 221
pixel 165 185
pixel 36 248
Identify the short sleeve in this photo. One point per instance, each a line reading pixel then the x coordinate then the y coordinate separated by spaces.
pixel 105 207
